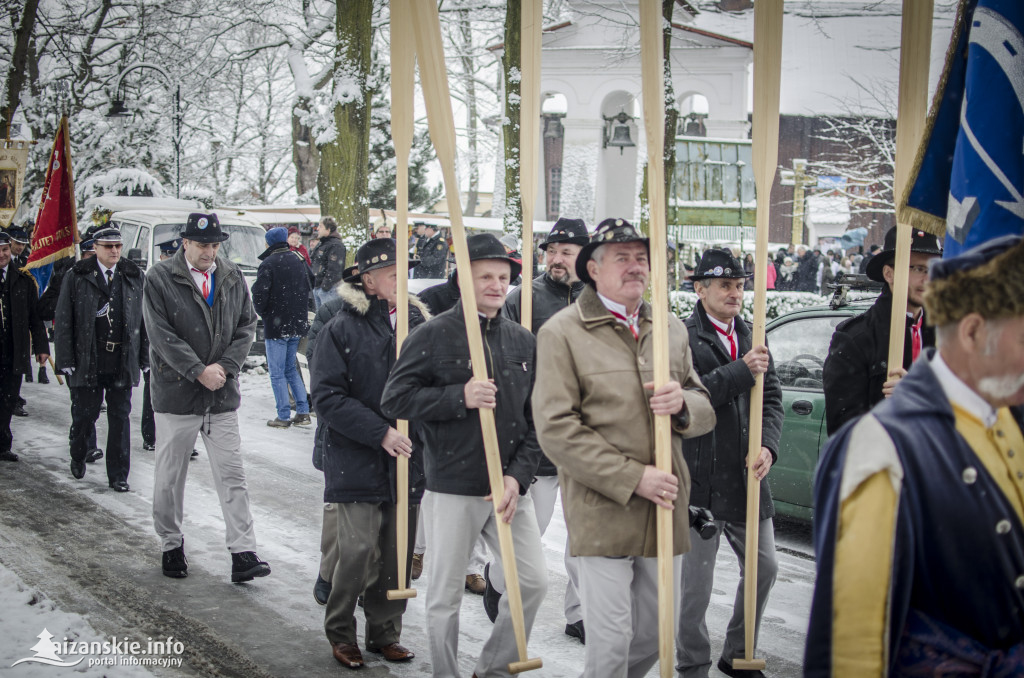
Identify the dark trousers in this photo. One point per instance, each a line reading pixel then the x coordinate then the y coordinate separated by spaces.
pixel 10 387
pixel 85 409
pixel 148 420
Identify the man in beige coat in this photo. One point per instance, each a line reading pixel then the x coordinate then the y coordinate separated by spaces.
pixel 594 407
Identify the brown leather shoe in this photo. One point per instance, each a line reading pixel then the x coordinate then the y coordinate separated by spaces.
pixel 348 654
pixel 475 584
pixel 393 652
pixel 417 566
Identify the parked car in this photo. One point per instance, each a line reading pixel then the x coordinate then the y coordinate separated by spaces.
pixel 799 344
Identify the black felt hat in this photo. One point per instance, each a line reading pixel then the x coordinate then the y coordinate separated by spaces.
pixel 608 231
pixel 18 235
pixel 920 241
pixel 573 231
pixel 486 246
pixel 375 254
pixel 719 264
pixel 203 228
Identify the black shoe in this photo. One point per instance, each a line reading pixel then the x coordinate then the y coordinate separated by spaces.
pixel 301 420
pixel 78 469
pixel 728 670
pixel 149 447
pixel 195 453
pixel 491 596
pixel 277 422
pixel 7 455
pixel 93 455
pixel 43 378
pixel 246 566
pixel 174 562
pixel 576 630
pixel 119 486
pixel 321 590
pixel 19 411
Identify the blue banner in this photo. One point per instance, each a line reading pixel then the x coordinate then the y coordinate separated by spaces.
pixel 42 275
pixel 970 174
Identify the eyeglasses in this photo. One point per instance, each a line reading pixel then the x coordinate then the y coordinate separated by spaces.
pixel 112 247
pixel 920 270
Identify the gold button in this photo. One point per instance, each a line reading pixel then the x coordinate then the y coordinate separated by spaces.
pixel 1010 453
pixel 1020 474
pixel 1003 526
pixel 999 433
pixel 969 475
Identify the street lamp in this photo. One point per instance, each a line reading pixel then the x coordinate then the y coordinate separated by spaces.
pixel 119 110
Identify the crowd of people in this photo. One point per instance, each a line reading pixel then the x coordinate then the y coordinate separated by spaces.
pixel 560 392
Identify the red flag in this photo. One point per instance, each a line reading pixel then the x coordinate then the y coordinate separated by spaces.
pixel 56 230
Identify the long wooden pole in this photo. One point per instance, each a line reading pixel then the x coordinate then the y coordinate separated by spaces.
pixel 915 58
pixel 403 60
pixel 434 81
pixel 529 140
pixel 653 83
pixel 765 135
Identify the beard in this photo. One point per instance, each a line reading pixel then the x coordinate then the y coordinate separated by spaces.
pixel 1002 388
pixel 559 274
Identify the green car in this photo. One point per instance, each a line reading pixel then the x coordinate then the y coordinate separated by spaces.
pixel 799 344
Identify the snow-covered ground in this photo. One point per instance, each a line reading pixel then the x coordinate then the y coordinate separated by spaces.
pixel 82 561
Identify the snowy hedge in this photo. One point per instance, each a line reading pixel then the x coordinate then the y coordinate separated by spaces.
pixel 779 303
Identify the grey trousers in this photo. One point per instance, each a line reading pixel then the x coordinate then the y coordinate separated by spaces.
pixel 454 523
pixel 693 646
pixel 476 562
pixel 544 491
pixel 329 542
pixel 175 438
pixel 369 567
pixel 620 613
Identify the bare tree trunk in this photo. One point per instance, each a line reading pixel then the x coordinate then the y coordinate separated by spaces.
pixel 305 154
pixel 671 111
pixel 473 159
pixel 512 73
pixel 343 181
pixel 16 71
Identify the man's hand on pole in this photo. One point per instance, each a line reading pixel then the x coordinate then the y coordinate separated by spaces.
pixel 763 464
pixel 510 500
pixel 480 394
pixel 668 399
pixel 396 444
pixel 660 487
pixel 757 360
pixel 895 374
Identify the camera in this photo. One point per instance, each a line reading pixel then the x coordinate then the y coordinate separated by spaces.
pixel 702 521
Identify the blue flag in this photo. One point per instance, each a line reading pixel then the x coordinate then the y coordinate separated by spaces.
pixel 969 179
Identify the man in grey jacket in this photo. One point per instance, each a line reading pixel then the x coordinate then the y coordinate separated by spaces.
pixel 201 324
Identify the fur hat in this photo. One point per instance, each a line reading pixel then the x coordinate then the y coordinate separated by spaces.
pixel 987 279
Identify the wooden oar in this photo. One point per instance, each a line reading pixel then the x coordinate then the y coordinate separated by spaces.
pixel 403 60
pixel 529 140
pixel 915 58
pixel 434 81
pixel 765 142
pixel 60 380
pixel 653 74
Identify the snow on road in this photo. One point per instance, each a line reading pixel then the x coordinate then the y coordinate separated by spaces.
pixel 89 560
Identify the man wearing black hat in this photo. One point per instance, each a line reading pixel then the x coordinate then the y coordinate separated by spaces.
pixel 555 289
pixel 433 254
pixel 432 384
pixel 728 364
pixel 101 346
pixel 594 404
pixel 20 249
pixel 279 296
pixel 20 327
pixel 919 504
pixel 856 376
pixel 354 353
pixel 201 324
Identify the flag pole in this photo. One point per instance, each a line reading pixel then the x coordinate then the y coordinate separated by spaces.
pixel 653 87
pixel 529 121
pixel 915 58
pixel 434 82
pixel 765 142
pixel 403 62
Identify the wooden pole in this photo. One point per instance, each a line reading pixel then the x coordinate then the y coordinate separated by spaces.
pixel 60 380
pixel 915 56
pixel 434 81
pixel 403 60
pixel 765 135
pixel 653 85
pixel 529 140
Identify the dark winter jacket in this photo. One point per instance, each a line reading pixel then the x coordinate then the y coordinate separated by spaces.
pixel 549 297
pixel 806 277
pixel 440 298
pixel 48 299
pixel 352 357
pixel 281 292
pixel 26 323
pixel 857 362
pixel 433 258
pixel 186 335
pixel 328 261
pixel 427 385
pixel 717 460
pixel 74 325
